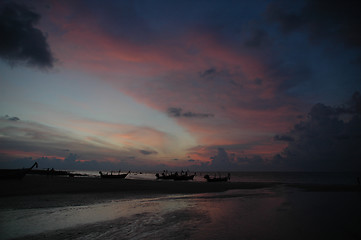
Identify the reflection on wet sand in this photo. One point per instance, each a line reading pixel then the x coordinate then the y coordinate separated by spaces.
pixel 250 211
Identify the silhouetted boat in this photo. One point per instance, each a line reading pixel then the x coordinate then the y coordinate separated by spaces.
pixel 50 172
pixel 111 175
pixel 218 179
pixel 183 177
pixel 53 172
pixel 174 176
pixel 15 173
pixel 165 177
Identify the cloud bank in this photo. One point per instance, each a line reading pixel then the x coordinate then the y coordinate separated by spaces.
pixel 334 19
pixel 329 139
pixel 20 41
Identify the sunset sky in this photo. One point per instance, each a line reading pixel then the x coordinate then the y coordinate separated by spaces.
pixel 204 85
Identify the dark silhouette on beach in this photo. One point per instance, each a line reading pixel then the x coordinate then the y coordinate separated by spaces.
pixel 175 176
pixel 218 179
pixel 15 173
pixel 118 176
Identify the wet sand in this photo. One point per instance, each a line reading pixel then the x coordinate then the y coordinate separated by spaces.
pixel 265 210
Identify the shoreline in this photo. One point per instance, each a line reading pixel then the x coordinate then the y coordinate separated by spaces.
pixel 42 191
pixel 40 185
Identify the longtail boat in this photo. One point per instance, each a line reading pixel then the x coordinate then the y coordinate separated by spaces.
pixel 218 179
pixel 111 175
pixel 183 177
pixel 165 177
pixel 175 176
pixel 15 173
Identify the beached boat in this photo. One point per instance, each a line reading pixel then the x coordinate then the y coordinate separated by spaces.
pixel 51 172
pixel 175 176
pixel 183 177
pixel 111 175
pixel 218 179
pixel 15 173
pixel 165 176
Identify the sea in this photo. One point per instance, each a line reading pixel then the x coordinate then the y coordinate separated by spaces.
pixel 280 212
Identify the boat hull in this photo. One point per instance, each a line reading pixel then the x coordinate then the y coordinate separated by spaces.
pixel 12 173
pixel 121 176
pixel 115 176
pixel 217 179
pixel 225 179
pixel 15 173
pixel 175 177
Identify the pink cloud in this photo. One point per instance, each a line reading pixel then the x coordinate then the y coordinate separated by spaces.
pixel 163 74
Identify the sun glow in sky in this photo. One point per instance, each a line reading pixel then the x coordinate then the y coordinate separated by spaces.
pixel 180 84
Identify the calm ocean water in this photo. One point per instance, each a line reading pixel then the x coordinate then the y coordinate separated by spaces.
pixel 269 213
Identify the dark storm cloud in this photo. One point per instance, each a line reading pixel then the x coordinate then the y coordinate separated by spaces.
pixel 146 152
pixel 283 138
pixel 174 112
pixel 220 78
pixel 71 158
pixel 13 118
pixel 329 139
pixel 208 72
pixel 20 41
pixel 178 112
pixel 224 161
pixel 221 160
pixel 7 117
pixel 322 19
